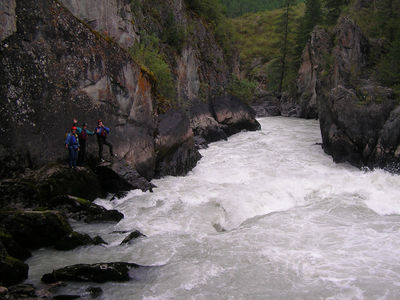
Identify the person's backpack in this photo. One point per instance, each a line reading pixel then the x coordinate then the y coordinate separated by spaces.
pixel 83 135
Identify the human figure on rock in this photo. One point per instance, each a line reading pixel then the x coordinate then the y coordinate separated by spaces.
pixel 101 133
pixel 83 134
pixel 72 144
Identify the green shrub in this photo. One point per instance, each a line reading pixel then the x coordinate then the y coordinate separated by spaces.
pixel 242 89
pixel 147 54
pixel 174 34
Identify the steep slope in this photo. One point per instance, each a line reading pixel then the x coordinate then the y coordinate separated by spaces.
pixel 78 59
pixel 358 115
pixel 54 68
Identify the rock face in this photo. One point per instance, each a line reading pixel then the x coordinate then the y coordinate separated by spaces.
pixel 234 115
pixel 55 68
pixel 120 176
pixel 315 60
pixel 358 116
pixel 102 272
pixel 176 154
pixel 8 20
pixel 67 59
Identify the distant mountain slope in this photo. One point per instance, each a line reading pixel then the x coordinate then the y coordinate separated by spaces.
pixel 236 8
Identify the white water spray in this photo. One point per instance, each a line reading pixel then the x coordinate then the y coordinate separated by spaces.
pixel 264 215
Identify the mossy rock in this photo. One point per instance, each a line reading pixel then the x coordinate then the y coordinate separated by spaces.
pixel 35 229
pixel 12 271
pixel 76 239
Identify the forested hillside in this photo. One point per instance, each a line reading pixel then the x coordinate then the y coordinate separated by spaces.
pixel 236 8
pixel 271 42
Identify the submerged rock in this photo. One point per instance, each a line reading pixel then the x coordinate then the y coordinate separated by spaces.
pixel 132 236
pixel 101 272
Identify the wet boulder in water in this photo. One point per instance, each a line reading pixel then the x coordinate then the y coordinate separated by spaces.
pixel 76 239
pixel 234 115
pixel 205 128
pixel 120 176
pixel 132 236
pixel 175 148
pixel 82 209
pixel 101 272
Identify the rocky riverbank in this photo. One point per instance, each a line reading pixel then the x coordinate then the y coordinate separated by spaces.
pixel 60 61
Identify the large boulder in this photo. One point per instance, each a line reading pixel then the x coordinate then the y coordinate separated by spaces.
pixel 35 189
pixel 35 229
pixel 234 115
pixel 101 272
pixel 203 123
pixel 12 270
pixel 83 210
pixel 119 176
pixel 176 151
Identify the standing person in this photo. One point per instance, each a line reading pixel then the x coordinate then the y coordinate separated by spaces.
pixel 83 134
pixel 101 133
pixel 72 144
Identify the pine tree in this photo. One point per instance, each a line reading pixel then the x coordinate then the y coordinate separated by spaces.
pixel 333 9
pixel 312 15
pixel 283 28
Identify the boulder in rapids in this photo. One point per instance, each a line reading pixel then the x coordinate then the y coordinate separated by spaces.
pixel 100 272
pixel 204 125
pixel 119 176
pixel 234 115
pixel 175 148
pixel 132 236
pixel 76 239
pixel 82 209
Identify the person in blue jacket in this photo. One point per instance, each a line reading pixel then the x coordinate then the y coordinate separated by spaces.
pixel 72 144
pixel 101 133
pixel 83 134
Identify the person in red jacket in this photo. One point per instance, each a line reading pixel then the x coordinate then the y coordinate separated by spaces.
pixel 101 133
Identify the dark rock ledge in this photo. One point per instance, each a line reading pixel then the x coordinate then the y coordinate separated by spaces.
pixel 101 272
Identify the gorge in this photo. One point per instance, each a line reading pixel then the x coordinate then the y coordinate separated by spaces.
pixel 202 199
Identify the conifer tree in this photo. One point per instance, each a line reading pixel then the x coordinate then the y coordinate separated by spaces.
pixel 283 28
pixel 333 9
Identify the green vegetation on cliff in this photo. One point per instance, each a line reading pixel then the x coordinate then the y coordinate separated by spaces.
pixel 236 8
pixel 380 21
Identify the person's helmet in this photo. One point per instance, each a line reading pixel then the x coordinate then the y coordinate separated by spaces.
pixel 98 121
pixel 73 128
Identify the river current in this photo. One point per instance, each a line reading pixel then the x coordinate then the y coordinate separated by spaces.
pixel 264 215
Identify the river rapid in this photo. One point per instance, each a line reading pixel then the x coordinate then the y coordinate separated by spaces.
pixel 265 215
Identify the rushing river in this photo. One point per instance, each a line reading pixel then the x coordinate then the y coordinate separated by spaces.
pixel 265 215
